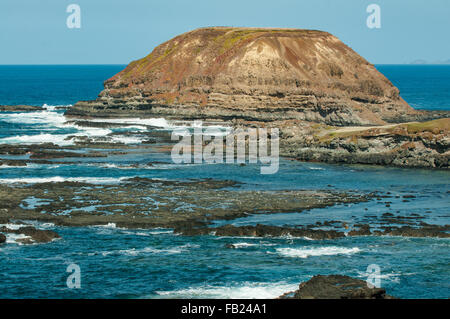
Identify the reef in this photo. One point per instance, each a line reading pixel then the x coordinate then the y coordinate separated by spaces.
pixel 336 287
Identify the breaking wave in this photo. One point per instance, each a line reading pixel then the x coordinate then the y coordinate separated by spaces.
pixel 319 251
pixel 59 179
pixel 246 290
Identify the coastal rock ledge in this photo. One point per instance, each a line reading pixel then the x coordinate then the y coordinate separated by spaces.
pixel 329 103
pixel 252 74
pixel 336 287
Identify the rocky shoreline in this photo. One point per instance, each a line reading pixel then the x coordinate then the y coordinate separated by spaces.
pixel 329 104
pixel 190 209
pixel 411 144
pixel 414 144
pixel 19 108
pixel 311 232
pixel 336 287
pixel 127 204
pixel 31 235
pixel 195 201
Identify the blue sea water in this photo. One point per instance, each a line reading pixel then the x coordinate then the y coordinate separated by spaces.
pixel 121 263
pixel 52 84
pixel 425 87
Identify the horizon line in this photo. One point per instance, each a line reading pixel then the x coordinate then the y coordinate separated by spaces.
pixel 120 64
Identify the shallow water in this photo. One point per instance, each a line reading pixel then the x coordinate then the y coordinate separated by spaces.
pixel 120 263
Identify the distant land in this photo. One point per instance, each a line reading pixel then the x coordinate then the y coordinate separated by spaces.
pixel 422 61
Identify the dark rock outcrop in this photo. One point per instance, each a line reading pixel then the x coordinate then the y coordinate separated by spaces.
pixel 414 144
pixel 425 230
pixel 36 235
pixel 2 238
pixel 19 108
pixel 260 231
pixel 336 287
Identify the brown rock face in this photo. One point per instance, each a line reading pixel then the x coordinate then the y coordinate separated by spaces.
pixel 35 235
pixel 252 74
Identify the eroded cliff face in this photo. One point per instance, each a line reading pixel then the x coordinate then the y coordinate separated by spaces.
pixel 252 74
pixel 413 144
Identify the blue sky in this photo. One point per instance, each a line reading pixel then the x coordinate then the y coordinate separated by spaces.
pixel 119 31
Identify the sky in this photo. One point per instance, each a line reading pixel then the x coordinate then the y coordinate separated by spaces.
pixel 119 31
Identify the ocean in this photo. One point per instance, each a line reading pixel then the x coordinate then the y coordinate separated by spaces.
pixel 156 263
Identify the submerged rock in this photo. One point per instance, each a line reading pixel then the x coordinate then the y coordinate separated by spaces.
pixel 2 238
pixel 19 108
pixel 336 287
pixel 150 203
pixel 259 231
pixel 425 230
pixel 36 235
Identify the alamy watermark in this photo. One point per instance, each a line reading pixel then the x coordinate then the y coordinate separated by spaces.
pixel 211 145
pixel 373 276
pixel 74 279
pixel 374 19
pixel 74 19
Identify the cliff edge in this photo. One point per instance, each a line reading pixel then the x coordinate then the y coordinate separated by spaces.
pixel 252 74
pixel 329 103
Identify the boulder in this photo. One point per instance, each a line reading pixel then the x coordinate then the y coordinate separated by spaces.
pixel 36 235
pixel 336 287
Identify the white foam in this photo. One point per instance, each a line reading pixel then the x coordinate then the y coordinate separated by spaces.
pixel 127 139
pixel 39 117
pixel 91 131
pixel 48 166
pixel 49 120
pixel 32 165
pixel 109 165
pixel 146 250
pixel 9 166
pixel 189 245
pixel 59 179
pixel 13 226
pixel 49 107
pixel 15 238
pixel 159 232
pixel 42 225
pixel 151 233
pixel 53 107
pixel 109 225
pixel 215 130
pixel 58 139
pixel 244 245
pixel 316 251
pixel 138 233
pixel 244 290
